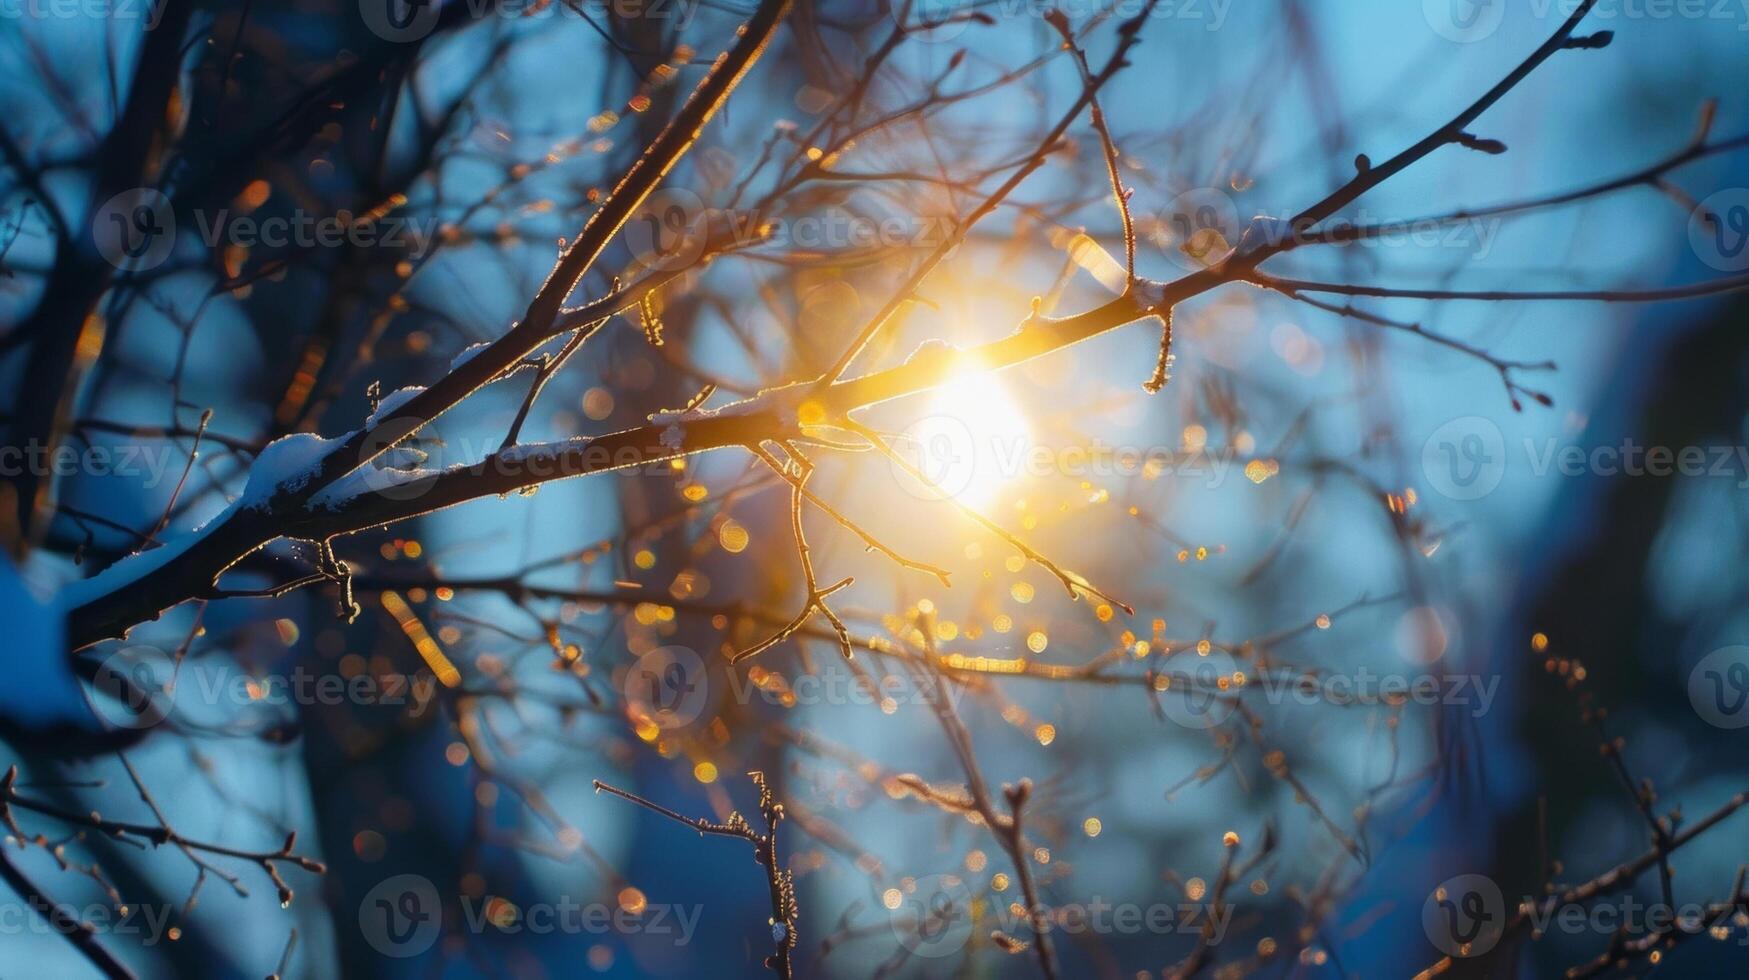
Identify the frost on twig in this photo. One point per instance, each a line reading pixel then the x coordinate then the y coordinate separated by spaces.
pixel 784 911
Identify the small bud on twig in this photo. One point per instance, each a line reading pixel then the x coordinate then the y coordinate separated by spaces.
pixel 1480 145
pixel 1589 42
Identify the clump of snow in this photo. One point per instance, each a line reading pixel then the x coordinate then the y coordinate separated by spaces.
pixel 527 451
pixel 124 573
pixel 391 403
pixel 395 469
pixel 690 415
pixel 467 355
pixel 932 349
pixel 39 689
pixel 286 464
pixel 1150 293
pixel 783 401
pixel 369 479
pixel 1265 231
pixel 674 424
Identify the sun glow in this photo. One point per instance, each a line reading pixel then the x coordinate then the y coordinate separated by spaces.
pixel 973 442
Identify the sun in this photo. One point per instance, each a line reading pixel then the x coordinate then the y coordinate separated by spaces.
pixel 974 441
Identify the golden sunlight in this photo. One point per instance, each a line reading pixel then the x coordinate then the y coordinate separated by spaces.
pixel 973 442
